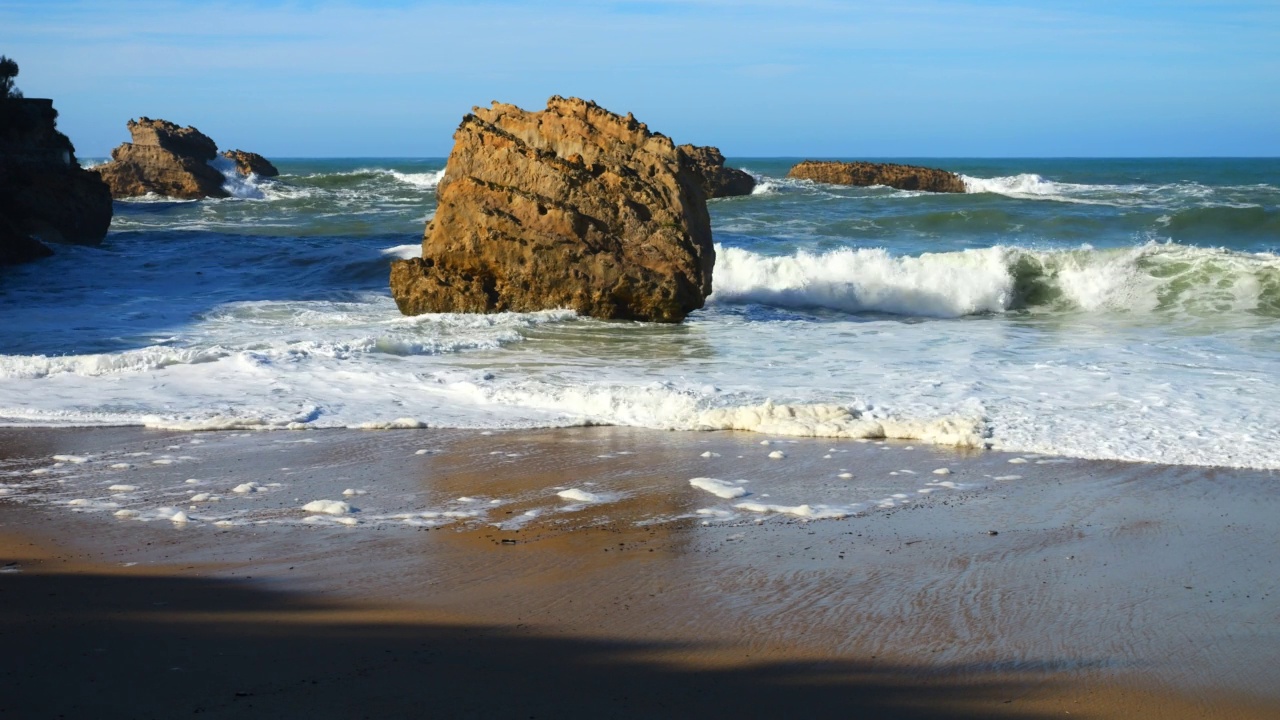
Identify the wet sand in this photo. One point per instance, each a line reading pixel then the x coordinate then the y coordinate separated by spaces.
pixel 1107 590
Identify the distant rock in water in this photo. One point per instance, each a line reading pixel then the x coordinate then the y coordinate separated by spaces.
pixel 247 162
pixel 570 207
pixel 903 177
pixel 45 196
pixel 717 180
pixel 174 162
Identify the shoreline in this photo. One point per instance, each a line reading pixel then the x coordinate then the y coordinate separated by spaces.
pixel 1109 590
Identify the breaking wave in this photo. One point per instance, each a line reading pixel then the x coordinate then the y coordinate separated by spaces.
pixel 1149 278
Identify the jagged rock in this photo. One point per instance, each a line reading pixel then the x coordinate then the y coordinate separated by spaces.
pixel 571 207
pixel 717 180
pixel 166 160
pixel 903 177
pixel 44 193
pixel 248 162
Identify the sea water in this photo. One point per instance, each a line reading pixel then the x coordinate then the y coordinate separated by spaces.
pixel 1111 309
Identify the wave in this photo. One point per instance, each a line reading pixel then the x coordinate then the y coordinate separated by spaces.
pixel 1029 185
pixel 423 180
pixel 661 406
pixel 1145 279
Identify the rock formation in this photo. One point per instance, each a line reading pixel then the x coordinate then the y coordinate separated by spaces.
pixel 571 207
pixel 903 177
pixel 248 162
pixel 44 193
pixel 717 180
pixel 166 160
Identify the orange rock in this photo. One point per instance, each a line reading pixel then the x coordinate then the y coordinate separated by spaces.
pixel 903 177
pixel 166 160
pixel 248 162
pixel 570 207
pixel 717 180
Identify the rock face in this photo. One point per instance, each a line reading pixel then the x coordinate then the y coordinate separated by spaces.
pixel 903 177
pixel 166 160
pixel 570 207
pixel 717 180
pixel 248 162
pixel 44 193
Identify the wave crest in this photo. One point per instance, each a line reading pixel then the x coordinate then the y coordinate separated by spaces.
pixel 1149 278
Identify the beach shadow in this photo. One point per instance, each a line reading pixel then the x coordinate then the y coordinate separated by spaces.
pixel 139 646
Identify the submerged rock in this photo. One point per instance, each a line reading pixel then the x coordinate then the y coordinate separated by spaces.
pixel 45 196
pixel 903 177
pixel 717 180
pixel 248 162
pixel 569 207
pixel 166 160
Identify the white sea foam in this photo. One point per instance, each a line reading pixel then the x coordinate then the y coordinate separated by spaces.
pixel 719 488
pixel 245 187
pixel 404 252
pixel 812 512
pixel 578 495
pixel 327 507
pixel 73 459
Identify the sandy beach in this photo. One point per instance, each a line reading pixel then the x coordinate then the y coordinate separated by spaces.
pixel 1035 588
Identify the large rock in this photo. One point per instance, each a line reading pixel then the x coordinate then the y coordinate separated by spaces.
pixel 903 177
pixel 248 162
pixel 717 180
pixel 166 160
pixel 44 193
pixel 18 246
pixel 571 207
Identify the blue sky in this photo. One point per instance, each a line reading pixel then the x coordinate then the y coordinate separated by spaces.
pixel 755 77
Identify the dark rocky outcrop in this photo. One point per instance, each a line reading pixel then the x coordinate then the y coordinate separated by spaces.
pixel 166 160
pixel 248 162
pixel 571 207
pixel 717 180
pixel 45 196
pixel 903 177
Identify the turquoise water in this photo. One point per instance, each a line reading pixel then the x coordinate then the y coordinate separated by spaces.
pixel 1094 308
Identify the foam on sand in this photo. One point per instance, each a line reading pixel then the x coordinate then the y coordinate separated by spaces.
pixel 327 507
pixel 719 488
pixel 811 512
pixel 576 495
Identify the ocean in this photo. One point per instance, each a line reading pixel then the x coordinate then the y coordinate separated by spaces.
pixel 1079 308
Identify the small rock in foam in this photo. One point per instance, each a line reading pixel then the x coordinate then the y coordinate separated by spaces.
pixel 845 475
pixel 121 466
pixel 709 454
pixel 123 488
pixel 777 455
pixel 246 487
pixel 942 471
pixel 352 491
